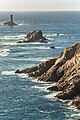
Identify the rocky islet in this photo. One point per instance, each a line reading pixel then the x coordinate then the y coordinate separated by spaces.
pixel 11 22
pixel 34 36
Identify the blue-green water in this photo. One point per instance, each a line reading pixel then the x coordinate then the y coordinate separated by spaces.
pixel 22 98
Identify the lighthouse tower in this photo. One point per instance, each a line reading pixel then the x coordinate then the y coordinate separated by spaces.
pixel 11 17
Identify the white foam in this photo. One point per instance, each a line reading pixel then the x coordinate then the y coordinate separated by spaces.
pixel 44 111
pixel 35 47
pixel 61 34
pixel 51 95
pixel 58 47
pixel 50 38
pixel 75 115
pixel 20 24
pixel 8 72
pixel 43 86
pixel 12 37
pixel 39 87
pixel 45 59
pixel 9 43
pixel 40 47
pixel 13 73
pixel 35 43
pixel 35 80
pixel 4 52
pixel 52 35
pixel 23 75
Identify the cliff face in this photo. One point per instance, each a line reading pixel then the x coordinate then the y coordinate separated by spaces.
pixel 67 75
pixel 64 64
pixel 65 70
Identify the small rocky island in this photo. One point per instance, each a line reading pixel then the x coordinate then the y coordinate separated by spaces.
pixel 34 36
pixel 64 70
pixel 11 22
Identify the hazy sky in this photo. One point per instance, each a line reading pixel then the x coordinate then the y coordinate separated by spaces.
pixel 37 5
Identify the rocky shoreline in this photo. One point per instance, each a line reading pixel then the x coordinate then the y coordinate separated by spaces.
pixel 64 70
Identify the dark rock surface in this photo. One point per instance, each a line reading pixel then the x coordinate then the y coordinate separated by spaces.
pixel 52 47
pixel 34 36
pixel 76 103
pixel 10 23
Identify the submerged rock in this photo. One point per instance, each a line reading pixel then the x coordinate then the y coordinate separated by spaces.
pixel 52 47
pixel 34 36
pixel 11 22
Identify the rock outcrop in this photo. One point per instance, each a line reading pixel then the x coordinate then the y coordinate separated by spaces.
pixel 52 47
pixel 11 22
pixel 76 103
pixel 39 69
pixel 65 71
pixel 34 36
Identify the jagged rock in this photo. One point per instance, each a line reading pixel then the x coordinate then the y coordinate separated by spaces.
pixel 53 87
pixel 65 64
pixel 65 70
pixel 34 36
pixel 76 103
pixel 11 22
pixel 70 87
pixel 39 69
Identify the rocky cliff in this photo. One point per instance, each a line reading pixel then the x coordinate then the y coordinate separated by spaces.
pixel 65 71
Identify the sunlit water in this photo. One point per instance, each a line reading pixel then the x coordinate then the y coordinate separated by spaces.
pixel 23 98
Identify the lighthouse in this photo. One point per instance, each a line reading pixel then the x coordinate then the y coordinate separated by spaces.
pixel 11 22
pixel 11 17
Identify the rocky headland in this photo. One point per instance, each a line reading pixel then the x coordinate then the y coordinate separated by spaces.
pixel 64 70
pixel 34 36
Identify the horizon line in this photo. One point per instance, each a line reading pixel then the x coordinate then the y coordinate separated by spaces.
pixel 43 11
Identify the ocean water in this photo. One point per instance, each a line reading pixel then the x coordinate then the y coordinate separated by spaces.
pixel 23 98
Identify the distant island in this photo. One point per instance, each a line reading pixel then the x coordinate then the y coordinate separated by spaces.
pixel 11 22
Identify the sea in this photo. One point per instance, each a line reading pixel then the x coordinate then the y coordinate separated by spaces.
pixel 21 97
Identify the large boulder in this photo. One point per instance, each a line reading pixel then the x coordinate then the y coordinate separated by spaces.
pixel 34 36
